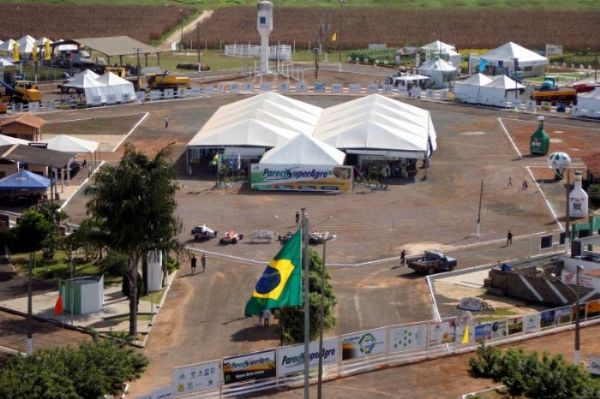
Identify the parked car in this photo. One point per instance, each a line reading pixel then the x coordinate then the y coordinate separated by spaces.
pixel 432 262
pixel 230 237
pixel 203 232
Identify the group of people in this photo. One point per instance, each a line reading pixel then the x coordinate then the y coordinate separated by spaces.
pixel 524 186
pixel 194 262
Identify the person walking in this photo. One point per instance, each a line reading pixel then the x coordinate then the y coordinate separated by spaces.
pixel 297 217
pixel 203 261
pixel 525 185
pixel 509 182
pixel 193 260
pixel 509 238
pixel 403 257
pixel 266 317
pixel 166 121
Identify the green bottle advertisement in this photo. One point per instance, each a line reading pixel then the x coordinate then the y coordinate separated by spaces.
pixel 539 143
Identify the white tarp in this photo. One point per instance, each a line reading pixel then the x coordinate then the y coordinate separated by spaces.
pixel 121 89
pixel 588 104
pixel 26 44
pixel 7 46
pixel 303 150
pixel 510 51
pixel 468 90
pixel 66 143
pixel 440 72
pixel 376 122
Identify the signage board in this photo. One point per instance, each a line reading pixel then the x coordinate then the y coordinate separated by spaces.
pixel 408 337
pixel 196 377
pixel 301 177
pixel 554 49
pixel 570 278
pixel 301 87
pixel 354 88
pixel 515 325
pixel 283 87
pixel 337 88
pixel 364 344
pixel 531 323
pixel 443 332
pixel 290 359
pixel 255 366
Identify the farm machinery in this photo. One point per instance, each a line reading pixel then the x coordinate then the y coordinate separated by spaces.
pixel 19 91
pixel 551 92
pixel 165 81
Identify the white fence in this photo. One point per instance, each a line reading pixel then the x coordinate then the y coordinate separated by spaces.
pixel 283 52
pixel 363 351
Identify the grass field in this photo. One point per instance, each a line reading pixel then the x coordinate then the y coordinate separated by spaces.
pixel 409 4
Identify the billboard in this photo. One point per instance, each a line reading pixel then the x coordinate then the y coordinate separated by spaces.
pixel 531 322
pixel 255 366
pixel 443 332
pixel 301 177
pixel 363 344
pixel 562 315
pixel 196 377
pixel 291 358
pixel 408 337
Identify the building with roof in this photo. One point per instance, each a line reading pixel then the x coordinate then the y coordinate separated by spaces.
pixel 119 46
pixel 23 126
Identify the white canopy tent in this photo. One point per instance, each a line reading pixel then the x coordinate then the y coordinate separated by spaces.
pixel 588 104
pixel 79 78
pixel 442 74
pixel 468 90
pixel 42 41
pixel 448 51
pixel 7 46
pixel 95 91
pixel 5 62
pixel 245 133
pixel 500 90
pixel 26 44
pixel 303 150
pixel 378 124
pixel 74 145
pixel 7 140
pixel 118 90
pixel 503 57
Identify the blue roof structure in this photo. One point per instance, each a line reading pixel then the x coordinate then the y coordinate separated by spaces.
pixel 24 180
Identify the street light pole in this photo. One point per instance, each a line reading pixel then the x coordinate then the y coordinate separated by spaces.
pixel 479 212
pixel 340 32
pixel 577 357
pixel 322 319
pixel 181 11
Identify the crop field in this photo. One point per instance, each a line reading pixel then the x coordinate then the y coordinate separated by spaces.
pixel 466 28
pixel 70 21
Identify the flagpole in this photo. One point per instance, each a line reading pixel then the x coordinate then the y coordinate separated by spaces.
pixel 305 265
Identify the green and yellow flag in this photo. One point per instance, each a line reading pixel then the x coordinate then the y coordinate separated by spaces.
pixel 280 285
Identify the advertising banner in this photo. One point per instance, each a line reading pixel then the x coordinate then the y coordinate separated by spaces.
pixel 168 93
pixel 195 91
pixel 291 358
pixel 483 332
pixel 300 177
pixel 570 278
pixel 354 88
pixel 363 344
pixel 593 309
pixel 408 337
pixel 301 87
pixel 266 87
pixel 594 364
pixel 499 329
pixel 337 88
pixel 255 366
pixel 283 87
pixel 562 315
pixel 208 89
pixel 515 325
pixel 547 318
pixel 443 332
pixel 155 95
pixel 248 87
pixel 372 88
pixel 196 377
pixel 531 323
pixel 234 88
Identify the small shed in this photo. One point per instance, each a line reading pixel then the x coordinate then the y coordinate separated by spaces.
pixel 23 126
pixel 82 295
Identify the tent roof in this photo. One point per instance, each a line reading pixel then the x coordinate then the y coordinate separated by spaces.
pixel 5 62
pixel 66 143
pixel 509 51
pixel 35 155
pixel 7 140
pixel 478 79
pixel 249 132
pixel 377 122
pixel 26 44
pixel 438 47
pixel 42 41
pixel 436 65
pixel 504 82
pixel 84 80
pixel 112 79
pixel 24 180
pixel 304 150
pixel 7 45
pixel 117 45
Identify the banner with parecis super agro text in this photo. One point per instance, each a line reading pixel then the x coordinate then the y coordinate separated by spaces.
pixel 255 366
pixel 290 359
pixel 301 178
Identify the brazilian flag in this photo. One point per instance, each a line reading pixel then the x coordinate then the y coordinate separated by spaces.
pixel 280 285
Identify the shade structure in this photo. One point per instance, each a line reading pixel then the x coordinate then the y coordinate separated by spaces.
pixel 440 72
pixel 588 104
pixel 376 122
pixel 510 51
pixel 117 88
pixel 66 143
pixel 468 90
pixel 438 47
pixel 7 140
pixel 26 44
pixel 24 180
pixel 303 150
pixel 7 46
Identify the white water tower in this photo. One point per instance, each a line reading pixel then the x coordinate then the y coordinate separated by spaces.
pixel 264 24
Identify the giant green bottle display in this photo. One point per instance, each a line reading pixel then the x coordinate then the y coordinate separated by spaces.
pixel 539 143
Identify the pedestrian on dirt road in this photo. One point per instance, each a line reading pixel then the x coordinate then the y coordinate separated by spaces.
pixel 509 238
pixel 203 261
pixel 166 121
pixel 509 182
pixel 193 260
pixel 403 257
pixel 266 317
pixel 297 217
pixel 525 185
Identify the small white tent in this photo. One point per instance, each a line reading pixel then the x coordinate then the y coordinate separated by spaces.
pixel 118 90
pixel 95 92
pixel 441 73
pixel 303 150
pixel 500 90
pixel 79 78
pixel 26 44
pixel 7 140
pixel 447 51
pixel 7 46
pixel 588 104
pixel 468 90
pixel 66 143
pixel 503 59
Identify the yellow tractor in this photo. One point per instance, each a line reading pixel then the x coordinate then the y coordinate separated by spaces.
pixel 22 91
pixel 166 81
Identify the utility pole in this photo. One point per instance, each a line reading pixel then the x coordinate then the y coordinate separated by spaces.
pixel 198 44
pixel 305 265
pixel 316 51
pixel 339 36
pixel 576 354
pixel 181 41
pixel 479 212
pixel 29 339
pixel 568 217
pixel 322 319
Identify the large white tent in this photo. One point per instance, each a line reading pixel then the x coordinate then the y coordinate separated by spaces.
pixel 468 90
pixel 95 92
pixel 441 73
pixel 7 46
pixel 446 50
pixel 26 44
pixel 303 150
pixel 499 91
pixel 503 58
pixel 588 104
pixel 244 133
pixel 118 90
pixel 79 78
pixel 378 125
pixel 7 140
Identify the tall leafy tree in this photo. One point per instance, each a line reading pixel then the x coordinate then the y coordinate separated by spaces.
pixel 133 204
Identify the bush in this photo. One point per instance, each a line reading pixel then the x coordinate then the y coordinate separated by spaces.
pixel 115 263
pixel 172 265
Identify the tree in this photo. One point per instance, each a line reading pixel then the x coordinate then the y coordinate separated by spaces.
pixel 90 371
pixel 134 206
pixel 293 318
pixel 30 232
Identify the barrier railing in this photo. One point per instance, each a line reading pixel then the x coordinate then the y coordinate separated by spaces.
pixel 365 351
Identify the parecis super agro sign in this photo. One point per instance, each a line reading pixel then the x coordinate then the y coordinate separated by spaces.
pixel 301 177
